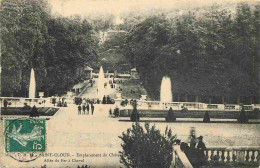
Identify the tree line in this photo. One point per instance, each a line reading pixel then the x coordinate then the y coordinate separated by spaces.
pixel 53 45
pixel 209 55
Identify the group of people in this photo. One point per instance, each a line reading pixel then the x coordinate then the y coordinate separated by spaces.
pixel 85 109
pixel 60 103
pixel 195 152
pixel 125 102
pixel 107 100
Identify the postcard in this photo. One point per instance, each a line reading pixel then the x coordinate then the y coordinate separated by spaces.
pixel 137 84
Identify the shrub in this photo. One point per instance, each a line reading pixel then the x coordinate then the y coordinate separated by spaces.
pixel 146 148
pixel 135 115
pixel 26 107
pixel 184 110
pixel 170 117
pixel 242 116
pixel 5 103
pixel 206 117
pixel 34 112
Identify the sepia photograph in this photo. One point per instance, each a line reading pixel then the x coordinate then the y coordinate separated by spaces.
pixel 129 84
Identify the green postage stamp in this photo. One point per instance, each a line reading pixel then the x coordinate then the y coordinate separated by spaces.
pixel 25 135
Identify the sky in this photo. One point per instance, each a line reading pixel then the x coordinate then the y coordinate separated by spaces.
pixel 115 7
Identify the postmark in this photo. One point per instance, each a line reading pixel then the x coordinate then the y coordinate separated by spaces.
pixel 25 138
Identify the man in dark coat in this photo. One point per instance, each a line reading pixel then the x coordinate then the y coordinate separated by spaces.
pixel 201 147
pixel 92 108
pixel 84 109
pixel 104 100
pixel 88 108
pixel 201 144
pixel 79 109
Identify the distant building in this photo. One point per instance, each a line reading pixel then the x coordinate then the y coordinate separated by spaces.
pixel 134 74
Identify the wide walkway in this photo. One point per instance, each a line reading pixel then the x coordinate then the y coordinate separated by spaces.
pixel 92 92
pixel 97 135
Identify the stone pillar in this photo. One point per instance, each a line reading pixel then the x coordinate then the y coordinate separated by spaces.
pixel 209 100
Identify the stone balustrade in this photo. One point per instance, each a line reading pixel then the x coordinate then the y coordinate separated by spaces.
pixel 220 156
pixel 232 154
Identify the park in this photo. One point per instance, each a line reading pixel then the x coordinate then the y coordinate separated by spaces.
pixel 129 94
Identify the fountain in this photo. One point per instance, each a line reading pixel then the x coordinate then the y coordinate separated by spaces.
pixel 32 86
pixel 101 81
pixel 166 90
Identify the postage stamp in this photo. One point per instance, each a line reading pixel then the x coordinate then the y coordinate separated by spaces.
pixel 25 135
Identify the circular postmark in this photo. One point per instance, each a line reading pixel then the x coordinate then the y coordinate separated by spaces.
pixel 25 138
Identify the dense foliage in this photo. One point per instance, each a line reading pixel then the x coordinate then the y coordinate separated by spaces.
pixel 111 54
pixel 209 54
pixel 145 148
pixel 55 47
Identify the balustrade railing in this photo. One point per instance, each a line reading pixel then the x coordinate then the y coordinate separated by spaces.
pixel 220 155
pixel 233 154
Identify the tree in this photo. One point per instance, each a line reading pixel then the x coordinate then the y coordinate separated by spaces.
pixel 242 116
pixel 146 147
pixel 25 42
pixel 34 112
pixel 55 47
pixel 206 117
pixel 135 115
pixel 204 53
pixel 170 116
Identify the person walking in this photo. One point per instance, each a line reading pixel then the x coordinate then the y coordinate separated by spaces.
pixel 79 109
pixel 193 139
pixel 84 109
pixel 201 147
pixel 92 109
pixel 88 108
